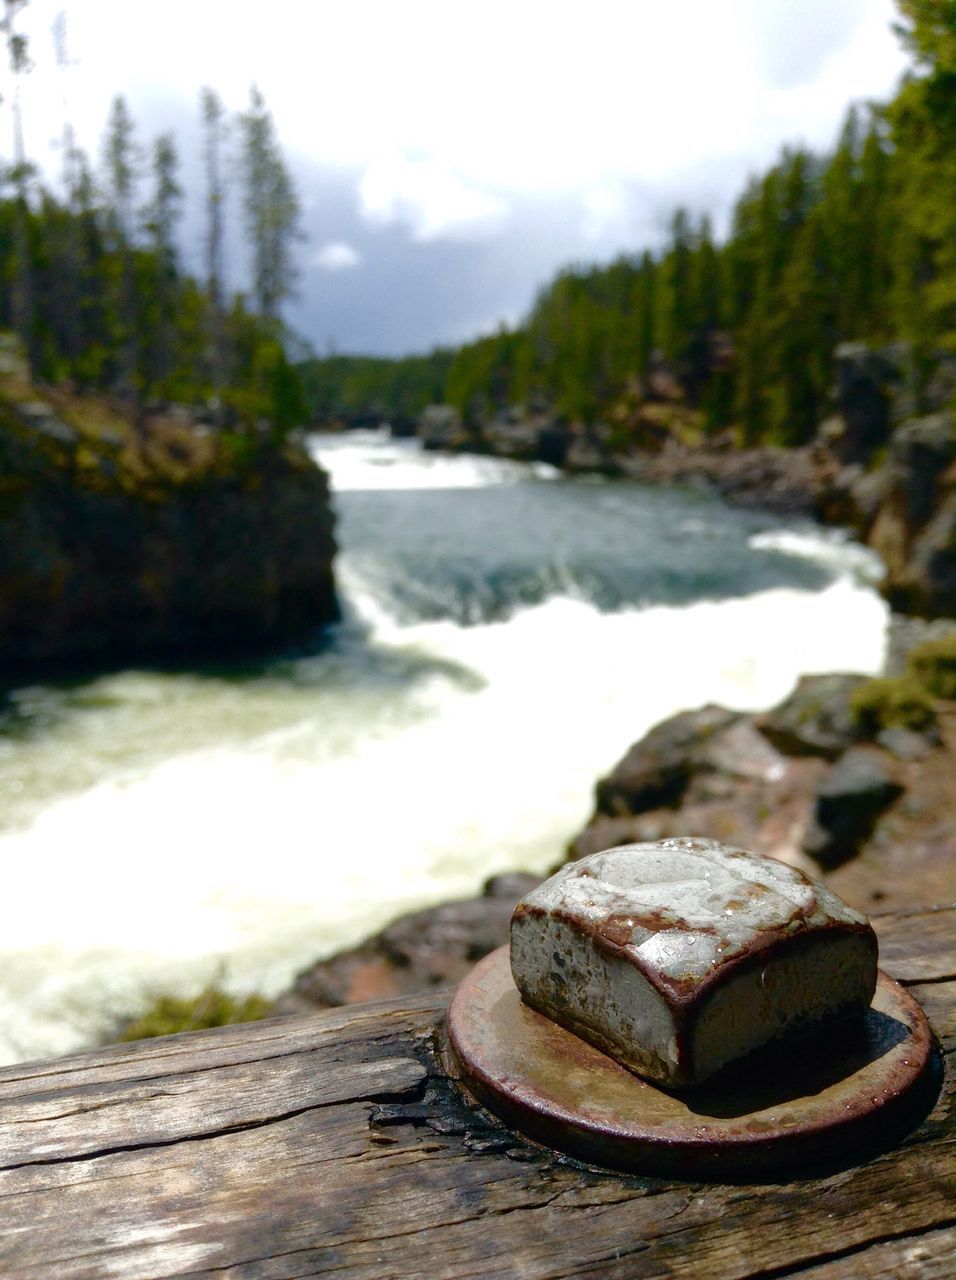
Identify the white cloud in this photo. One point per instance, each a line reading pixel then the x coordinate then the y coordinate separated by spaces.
pixel 608 211
pixel 336 255
pixel 455 119
pixel 474 105
pixel 430 198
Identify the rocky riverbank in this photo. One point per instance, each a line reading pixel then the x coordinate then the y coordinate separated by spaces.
pixel 850 779
pixel 153 541
pixel 883 464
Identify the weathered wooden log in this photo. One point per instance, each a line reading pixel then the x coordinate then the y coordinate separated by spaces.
pixel 335 1143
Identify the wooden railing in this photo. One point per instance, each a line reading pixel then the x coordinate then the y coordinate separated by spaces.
pixel 335 1144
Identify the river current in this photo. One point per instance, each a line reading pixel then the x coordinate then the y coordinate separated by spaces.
pixel 507 633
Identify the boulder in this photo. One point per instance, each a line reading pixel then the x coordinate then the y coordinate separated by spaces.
pixel 816 719
pixel 850 495
pixel 527 437
pixel 401 427
pixel 915 530
pixel 905 744
pixel 419 951
pixel 921 452
pixel 102 565
pixel 440 427
pixel 929 587
pixel 849 799
pixel 657 770
pixel 865 382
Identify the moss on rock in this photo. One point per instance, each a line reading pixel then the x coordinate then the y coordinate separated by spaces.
pixel 213 1007
pixel 892 702
pixel 933 665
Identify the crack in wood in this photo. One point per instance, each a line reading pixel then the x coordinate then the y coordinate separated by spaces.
pixel 203 1069
pixel 185 1139
pixel 907 913
pixel 851 1251
pixel 314 1193
pixel 82 1111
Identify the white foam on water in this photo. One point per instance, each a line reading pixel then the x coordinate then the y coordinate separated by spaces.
pixel 273 826
pixel 365 460
pixel 832 548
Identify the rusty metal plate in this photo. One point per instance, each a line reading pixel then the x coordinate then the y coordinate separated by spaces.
pixel 809 1102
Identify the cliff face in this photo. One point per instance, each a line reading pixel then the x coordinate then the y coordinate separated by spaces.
pixel 165 543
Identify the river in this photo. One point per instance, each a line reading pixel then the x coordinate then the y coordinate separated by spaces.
pixel 507 633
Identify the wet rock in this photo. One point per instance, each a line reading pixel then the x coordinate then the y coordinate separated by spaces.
pixel 849 799
pixel 769 479
pixel 440 427
pixel 739 751
pixel 915 530
pixel 930 583
pixel 921 452
pixel 401 428
pixel 657 770
pixel 527 437
pixel 100 568
pixel 417 952
pixel 816 719
pixel 904 744
pixel 865 383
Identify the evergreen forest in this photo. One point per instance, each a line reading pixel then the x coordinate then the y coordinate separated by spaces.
pixel 857 245
pixel 91 278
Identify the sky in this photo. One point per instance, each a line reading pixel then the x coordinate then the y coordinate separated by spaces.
pixel 451 156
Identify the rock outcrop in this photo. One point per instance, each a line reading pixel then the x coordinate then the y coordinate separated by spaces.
pixel 914 530
pixel 871 808
pixel 876 820
pixel 425 949
pixel 883 463
pixel 162 544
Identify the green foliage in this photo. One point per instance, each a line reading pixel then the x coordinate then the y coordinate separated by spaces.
pixel 858 245
pixel 933 665
pixel 923 119
pixel 211 1008
pixel 367 390
pixel 270 205
pixel 742 332
pixel 892 702
pixel 93 287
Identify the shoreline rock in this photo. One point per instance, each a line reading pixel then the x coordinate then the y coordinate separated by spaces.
pixel 875 820
pixel 176 547
pixel 882 465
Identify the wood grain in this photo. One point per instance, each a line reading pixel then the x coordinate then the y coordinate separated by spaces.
pixel 334 1144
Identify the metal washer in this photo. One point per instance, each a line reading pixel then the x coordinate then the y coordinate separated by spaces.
pixel 809 1102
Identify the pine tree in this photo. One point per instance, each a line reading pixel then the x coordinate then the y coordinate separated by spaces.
pixel 68 249
pixel 21 172
pixel 271 209
pixel 121 156
pixel 214 135
pixel 923 119
pixel 161 216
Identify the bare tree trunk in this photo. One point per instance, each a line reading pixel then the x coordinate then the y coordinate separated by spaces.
pixel 23 300
pixel 215 196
